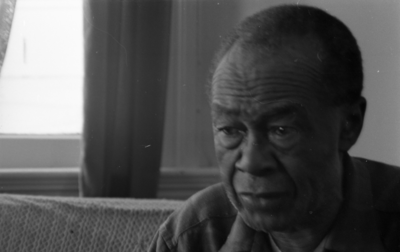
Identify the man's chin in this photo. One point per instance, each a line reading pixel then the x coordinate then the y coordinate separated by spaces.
pixel 277 217
pixel 267 222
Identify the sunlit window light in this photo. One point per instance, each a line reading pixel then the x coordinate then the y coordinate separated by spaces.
pixel 41 81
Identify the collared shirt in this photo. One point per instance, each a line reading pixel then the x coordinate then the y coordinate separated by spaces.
pixel 275 248
pixel 369 218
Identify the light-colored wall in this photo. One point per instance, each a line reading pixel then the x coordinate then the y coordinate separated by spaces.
pixel 197 27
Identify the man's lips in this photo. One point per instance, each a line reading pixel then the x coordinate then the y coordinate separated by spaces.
pixel 263 200
pixel 266 195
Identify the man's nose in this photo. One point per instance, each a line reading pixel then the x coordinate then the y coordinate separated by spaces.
pixel 256 157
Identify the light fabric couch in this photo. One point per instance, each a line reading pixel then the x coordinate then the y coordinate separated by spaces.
pixel 45 223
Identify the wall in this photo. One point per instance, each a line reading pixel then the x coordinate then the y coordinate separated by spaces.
pixel 197 28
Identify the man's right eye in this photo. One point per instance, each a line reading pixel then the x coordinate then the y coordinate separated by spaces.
pixel 229 131
pixel 229 136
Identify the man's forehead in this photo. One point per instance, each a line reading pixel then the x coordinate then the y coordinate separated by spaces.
pixel 269 110
pixel 243 73
pixel 291 49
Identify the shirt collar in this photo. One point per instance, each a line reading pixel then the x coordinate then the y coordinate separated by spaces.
pixel 275 248
pixel 355 228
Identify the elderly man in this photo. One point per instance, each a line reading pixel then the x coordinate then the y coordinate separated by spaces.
pixel 286 108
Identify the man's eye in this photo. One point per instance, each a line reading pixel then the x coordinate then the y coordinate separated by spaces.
pixel 283 131
pixel 284 136
pixel 229 137
pixel 230 131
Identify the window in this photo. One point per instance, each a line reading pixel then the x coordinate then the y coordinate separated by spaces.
pixel 41 86
pixel 42 76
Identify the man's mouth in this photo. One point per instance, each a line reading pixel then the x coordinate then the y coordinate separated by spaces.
pixel 263 200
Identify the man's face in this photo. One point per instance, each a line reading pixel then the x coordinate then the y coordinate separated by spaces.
pixel 276 142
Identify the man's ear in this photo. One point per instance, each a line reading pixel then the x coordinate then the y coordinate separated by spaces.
pixel 352 123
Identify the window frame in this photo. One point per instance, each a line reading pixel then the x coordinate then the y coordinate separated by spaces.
pixel 61 178
pixel 39 151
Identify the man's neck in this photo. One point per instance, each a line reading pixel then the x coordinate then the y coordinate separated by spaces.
pixel 298 242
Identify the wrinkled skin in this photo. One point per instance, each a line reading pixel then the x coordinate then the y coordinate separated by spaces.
pixel 278 142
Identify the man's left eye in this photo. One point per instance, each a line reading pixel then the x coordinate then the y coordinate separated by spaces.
pixel 283 136
pixel 283 131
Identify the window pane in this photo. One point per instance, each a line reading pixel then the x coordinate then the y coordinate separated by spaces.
pixel 42 76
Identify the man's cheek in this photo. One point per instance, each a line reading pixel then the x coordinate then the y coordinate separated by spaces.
pixel 226 160
pixel 226 164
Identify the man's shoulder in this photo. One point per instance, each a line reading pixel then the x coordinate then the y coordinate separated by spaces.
pixel 208 209
pixel 385 189
pixel 385 183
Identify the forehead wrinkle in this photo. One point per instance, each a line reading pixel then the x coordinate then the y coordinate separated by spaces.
pixel 233 67
pixel 294 88
pixel 273 110
pixel 249 85
pixel 253 80
pixel 251 98
pixel 287 69
pixel 307 82
pixel 240 82
pixel 227 74
pixel 230 81
pixel 315 72
pixel 259 91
